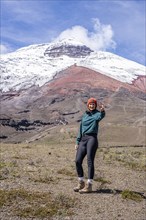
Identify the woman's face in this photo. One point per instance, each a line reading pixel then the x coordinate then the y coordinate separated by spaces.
pixel 92 106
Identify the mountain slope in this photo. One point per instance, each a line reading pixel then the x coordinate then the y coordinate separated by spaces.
pixel 30 114
pixel 42 89
pixel 75 77
pixel 34 65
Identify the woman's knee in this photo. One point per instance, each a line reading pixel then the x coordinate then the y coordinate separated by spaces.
pixel 90 162
pixel 78 162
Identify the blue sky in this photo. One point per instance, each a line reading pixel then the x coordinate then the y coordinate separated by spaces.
pixel 117 26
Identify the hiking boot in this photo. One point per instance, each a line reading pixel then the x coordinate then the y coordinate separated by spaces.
pixel 81 185
pixel 86 189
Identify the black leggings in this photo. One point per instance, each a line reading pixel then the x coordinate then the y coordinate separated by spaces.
pixel 87 146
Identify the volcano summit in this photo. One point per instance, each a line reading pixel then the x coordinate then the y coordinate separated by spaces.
pixel 38 64
pixel 47 85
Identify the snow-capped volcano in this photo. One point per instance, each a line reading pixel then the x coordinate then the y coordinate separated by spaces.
pixel 38 64
pixel 46 85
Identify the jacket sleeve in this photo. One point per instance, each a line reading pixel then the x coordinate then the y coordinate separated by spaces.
pixel 102 115
pixel 79 134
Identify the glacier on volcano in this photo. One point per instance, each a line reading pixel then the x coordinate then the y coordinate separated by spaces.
pixel 38 64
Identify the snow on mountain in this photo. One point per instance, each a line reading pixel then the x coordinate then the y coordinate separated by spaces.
pixel 65 42
pixel 33 65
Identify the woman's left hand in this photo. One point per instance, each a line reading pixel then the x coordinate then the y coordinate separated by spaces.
pixel 102 108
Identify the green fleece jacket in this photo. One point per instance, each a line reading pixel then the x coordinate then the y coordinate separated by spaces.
pixel 89 123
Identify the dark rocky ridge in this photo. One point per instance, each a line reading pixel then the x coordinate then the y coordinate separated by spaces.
pixel 25 125
pixel 68 50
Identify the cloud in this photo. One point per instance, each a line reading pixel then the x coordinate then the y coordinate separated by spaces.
pixel 100 39
pixel 5 48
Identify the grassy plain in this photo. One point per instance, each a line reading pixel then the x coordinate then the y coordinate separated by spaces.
pixel 37 181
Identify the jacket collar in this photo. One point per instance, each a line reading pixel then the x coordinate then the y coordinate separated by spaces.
pixel 91 112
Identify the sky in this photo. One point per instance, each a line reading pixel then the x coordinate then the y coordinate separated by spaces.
pixel 116 26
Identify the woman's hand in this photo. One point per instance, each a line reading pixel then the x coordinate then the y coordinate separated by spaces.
pixel 76 146
pixel 101 107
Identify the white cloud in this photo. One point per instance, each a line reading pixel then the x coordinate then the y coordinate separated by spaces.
pixel 100 39
pixel 5 49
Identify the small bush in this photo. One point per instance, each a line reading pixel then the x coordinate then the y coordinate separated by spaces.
pixel 127 194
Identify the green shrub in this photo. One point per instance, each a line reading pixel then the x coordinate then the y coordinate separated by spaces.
pixel 127 194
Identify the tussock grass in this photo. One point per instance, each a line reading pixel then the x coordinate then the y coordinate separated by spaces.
pixel 45 179
pixel 18 157
pixel 8 168
pixel 36 204
pixel 128 157
pixel 2 165
pixel 9 164
pixel 102 180
pixel 127 194
pixel 66 172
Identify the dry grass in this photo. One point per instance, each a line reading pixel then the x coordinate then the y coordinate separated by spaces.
pixel 37 181
pixel 131 157
pixel 24 203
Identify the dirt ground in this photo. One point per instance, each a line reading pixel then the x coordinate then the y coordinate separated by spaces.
pixel 37 181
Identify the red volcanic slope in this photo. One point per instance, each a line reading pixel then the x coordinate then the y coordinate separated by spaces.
pixel 76 77
pixel 140 83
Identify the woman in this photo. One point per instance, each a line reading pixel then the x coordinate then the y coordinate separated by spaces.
pixel 87 144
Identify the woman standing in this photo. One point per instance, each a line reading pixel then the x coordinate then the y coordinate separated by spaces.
pixel 87 144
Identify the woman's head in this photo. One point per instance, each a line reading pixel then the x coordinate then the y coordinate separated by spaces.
pixel 92 104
